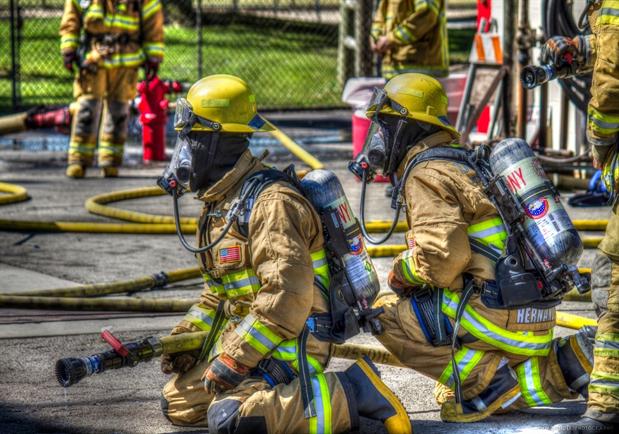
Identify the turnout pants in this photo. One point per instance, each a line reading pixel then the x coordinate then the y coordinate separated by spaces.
pixel 254 406
pixel 102 98
pixel 492 376
pixel 603 403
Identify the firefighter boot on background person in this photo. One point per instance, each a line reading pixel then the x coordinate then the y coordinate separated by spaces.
pixel 372 398
pixel 75 171
pixel 109 171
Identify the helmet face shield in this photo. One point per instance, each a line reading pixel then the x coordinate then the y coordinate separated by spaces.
pixel 185 118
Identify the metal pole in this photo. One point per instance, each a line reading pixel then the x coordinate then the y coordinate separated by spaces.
pixel 506 85
pixel 524 46
pixel 200 37
pixel 14 24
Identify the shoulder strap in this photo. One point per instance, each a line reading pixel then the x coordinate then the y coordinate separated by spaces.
pixel 255 184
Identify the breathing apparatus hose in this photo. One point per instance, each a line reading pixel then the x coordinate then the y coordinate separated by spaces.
pixel 364 231
pixel 181 237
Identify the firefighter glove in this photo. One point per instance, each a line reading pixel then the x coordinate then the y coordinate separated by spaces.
pixel 562 51
pixel 178 363
pixel 69 58
pixel 401 288
pixel 224 373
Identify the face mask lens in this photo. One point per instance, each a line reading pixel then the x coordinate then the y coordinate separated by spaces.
pixel 180 164
pixel 375 148
pixel 183 113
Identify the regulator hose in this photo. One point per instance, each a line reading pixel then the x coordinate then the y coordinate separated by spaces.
pixel 364 230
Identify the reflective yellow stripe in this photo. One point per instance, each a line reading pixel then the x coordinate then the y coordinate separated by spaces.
pixel 321 267
pixel 94 12
pixel 286 351
pixel 239 283
pixel 201 317
pixel 604 382
pixel 403 34
pixel 110 148
pixel 123 22
pixel 609 13
pixel 124 60
pixel 466 359
pixel 82 148
pixel 409 270
pixel 69 41
pixel 490 232
pixel 607 345
pixel 150 8
pixel 321 423
pixel 523 343
pixel 154 49
pixel 258 335
pixel 604 124
pixel 77 5
pixel 531 383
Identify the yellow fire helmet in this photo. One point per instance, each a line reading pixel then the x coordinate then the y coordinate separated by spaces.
pixel 415 96
pixel 222 103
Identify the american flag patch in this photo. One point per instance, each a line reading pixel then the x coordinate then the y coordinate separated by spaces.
pixel 228 255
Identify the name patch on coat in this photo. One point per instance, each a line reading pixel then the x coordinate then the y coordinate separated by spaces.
pixel 532 315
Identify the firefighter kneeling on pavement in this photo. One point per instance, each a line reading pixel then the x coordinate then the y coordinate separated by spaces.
pixel 600 51
pixel 107 40
pixel 504 358
pixel 258 371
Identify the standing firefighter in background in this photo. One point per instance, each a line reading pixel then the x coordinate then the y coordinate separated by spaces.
pixel 411 36
pixel 107 41
pixel 258 370
pixel 502 357
pixel 600 51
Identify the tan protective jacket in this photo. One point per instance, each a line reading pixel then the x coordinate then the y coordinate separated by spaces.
pixel 267 279
pixel 445 205
pixel 417 30
pixel 603 54
pixel 114 17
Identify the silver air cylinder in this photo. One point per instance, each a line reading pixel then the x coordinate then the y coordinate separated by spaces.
pixel 325 192
pixel 548 226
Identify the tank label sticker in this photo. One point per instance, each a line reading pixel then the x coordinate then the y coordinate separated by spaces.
pixel 356 245
pixel 538 208
pixel 343 211
pixel 524 175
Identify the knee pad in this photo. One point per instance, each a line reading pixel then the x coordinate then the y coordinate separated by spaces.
pixel 87 117
pixel 116 119
pixel 600 282
pixel 223 416
pixel 165 407
pixel 575 358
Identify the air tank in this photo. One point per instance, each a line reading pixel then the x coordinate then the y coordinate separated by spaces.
pixel 326 194
pixel 547 224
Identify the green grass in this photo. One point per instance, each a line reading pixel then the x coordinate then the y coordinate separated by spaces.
pixel 285 65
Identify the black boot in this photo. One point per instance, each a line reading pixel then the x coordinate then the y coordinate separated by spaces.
pixel 585 426
pixel 366 393
pixel 575 358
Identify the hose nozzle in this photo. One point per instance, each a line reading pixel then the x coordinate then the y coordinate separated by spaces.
pixel 71 370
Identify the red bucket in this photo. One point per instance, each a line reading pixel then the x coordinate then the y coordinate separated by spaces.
pixel 360 127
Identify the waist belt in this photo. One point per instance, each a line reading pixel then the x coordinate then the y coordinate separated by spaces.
pixel 434 323
pixel 275 372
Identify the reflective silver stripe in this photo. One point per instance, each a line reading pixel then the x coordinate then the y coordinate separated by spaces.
pixel 319 263
pixel 530 382
pixel 511 401
pixel 251 280
pixel 607 345
pixel 479 404
pixel 199 314
pixel 580 381
pixel 488 232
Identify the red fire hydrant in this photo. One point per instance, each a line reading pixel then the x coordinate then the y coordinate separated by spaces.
pixel 153 108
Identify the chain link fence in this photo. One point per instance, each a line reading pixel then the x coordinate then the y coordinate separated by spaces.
pixel 286 49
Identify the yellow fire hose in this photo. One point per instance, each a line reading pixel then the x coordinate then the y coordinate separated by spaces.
pixel 15 194
pixel 119 286
pixel 295 148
